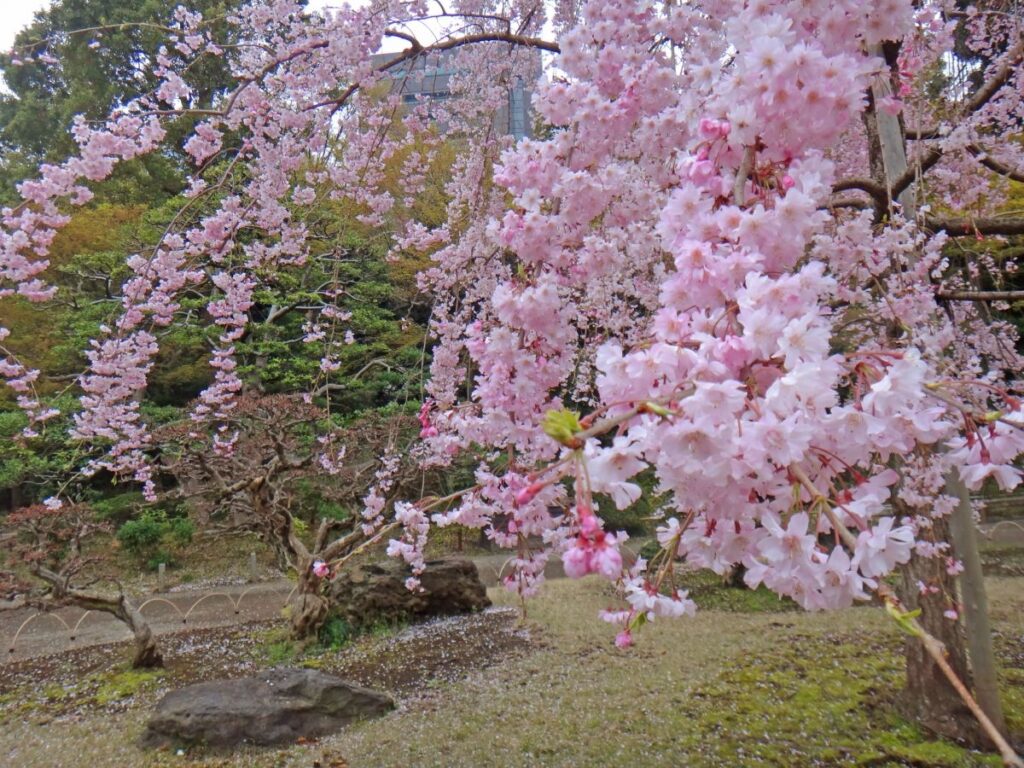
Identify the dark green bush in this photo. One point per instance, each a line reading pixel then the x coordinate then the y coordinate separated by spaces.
pixel 120 508
pixel 153 537
pixel 639 518
pixel 335 633
pixel 161 556
pixel 140 536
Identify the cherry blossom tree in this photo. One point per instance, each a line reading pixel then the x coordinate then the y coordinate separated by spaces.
pixel 278 466
pixel 719 262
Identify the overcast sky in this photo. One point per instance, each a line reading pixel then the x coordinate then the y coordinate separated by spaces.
pixel 14 15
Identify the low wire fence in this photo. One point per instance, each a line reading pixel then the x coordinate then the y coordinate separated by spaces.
pixel 67 628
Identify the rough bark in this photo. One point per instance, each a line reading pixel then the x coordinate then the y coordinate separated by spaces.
pixel 975 604
pixel 928 697
pixel 147 652
pixel 309 612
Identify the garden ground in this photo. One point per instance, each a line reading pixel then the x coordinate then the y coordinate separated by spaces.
pixel 737 685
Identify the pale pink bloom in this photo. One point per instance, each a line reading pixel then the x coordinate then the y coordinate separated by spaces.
pixel 610 469
pixel 576 562
pixel 607 561
pixel 882 548
pixel 666 533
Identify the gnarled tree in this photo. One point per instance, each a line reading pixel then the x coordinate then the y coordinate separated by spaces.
pixel 50 543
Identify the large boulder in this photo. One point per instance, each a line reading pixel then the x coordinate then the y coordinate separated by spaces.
pixel 376 592
pixel 276 707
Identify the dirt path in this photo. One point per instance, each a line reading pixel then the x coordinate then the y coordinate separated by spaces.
pixel 167 612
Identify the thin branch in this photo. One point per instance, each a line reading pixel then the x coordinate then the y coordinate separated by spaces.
pixel 987 226
pixel 740 185
pixel 995 165
pixel 980 98
pixel 329 387
pixel 417 49
pixel 980 295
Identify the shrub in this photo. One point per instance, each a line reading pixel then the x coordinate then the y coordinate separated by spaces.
pixel 140 536
pixel 120 508
pixel 335 633
pixel 153 537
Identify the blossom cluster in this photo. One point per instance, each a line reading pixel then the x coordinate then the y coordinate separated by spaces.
pixel 667 255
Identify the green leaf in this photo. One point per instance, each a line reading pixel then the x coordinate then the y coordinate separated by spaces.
pixel 562 426
pixel 905 619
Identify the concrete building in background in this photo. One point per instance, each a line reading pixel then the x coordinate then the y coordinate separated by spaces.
pixel 428 76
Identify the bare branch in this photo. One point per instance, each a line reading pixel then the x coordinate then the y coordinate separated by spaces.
pixel 994 165
pixel 877 191
pixel 986 226
pixel 922 134
pixel 447 45
pixel 980 98
pixel 981 295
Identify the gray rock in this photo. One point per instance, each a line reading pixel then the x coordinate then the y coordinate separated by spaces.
pixel 376 592
pixel 276 707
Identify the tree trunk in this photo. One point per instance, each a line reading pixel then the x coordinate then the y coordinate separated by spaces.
pixel 975 603
pixel 734 578
pixel 311 608
pixel 928 697
pixel 147 653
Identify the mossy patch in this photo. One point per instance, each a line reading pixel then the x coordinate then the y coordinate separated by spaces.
pixel 278 648
pixel 99 689
pixel 815 700
pixel 710 592
pixel 123 683
pixel 1010 653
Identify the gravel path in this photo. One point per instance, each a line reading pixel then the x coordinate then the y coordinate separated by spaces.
pixel 205 605
pixel 168 612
